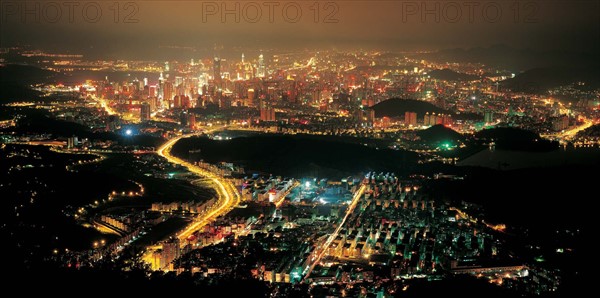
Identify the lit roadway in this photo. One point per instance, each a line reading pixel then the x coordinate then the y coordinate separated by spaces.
pixel 320 252
pixel 105 105
pixel 587 123
pixel 571 133
pixel 227 195
pixel 285 194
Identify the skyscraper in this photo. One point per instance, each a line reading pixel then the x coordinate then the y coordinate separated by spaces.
pixel 170 252
pixel 371 116
pixel 145 112
pixel 250 100
pixel 488 117
pixel 262 71
pixel 168 92
pixel 217 71
pixel 410 118
pixel 192 120
pixel 161 86
pixel 71 142
pixel 267 113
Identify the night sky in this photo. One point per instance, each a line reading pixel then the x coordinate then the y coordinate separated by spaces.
pixel 572 25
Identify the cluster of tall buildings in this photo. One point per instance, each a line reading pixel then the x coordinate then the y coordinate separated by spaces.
pixel 560 123
pixel 267 112
pixel 433 119
pixel 145 113
pixel 185 86
pixel 162 259
pixel 410 119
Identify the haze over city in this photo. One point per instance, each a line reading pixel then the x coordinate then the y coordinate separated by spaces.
pixel 139 28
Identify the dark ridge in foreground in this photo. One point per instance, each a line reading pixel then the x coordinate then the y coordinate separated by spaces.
pixel 440 134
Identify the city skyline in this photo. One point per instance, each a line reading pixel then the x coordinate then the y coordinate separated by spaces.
pixel 353 148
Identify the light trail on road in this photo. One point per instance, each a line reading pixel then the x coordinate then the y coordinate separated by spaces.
pixel 285 194
pixel 228 195
pixel 571 133
pixel 332 237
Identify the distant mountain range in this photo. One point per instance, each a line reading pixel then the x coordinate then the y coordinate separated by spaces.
pixel 27 74
pixel 509 58
pixel 14 92
pixel 451 75
pixel 541 79
pixel 15 81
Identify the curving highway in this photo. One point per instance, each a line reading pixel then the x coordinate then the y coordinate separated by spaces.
pixel 227 195
pixel 571 133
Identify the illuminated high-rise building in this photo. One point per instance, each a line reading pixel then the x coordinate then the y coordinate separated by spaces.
pixel 181 101
pixel 178 81
pixel 267 113
pixel 560 123
pixel 177 101
pixel 152 90
pixel 145 112
pixel 161 86
pixel 170 252
pixel 439 119
pixel 430 120
pixel 385 122
pixel 71 142
pixel 410 118
pixel 167 66
pixel 192 120
pixel 371 116
pixel 203 82
pixel 217 70
pixel 185 102
pixel 488 117
pixel 447 119
pixel 262 70
pixel 250 100
pixel 153 102
pixel 168 92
